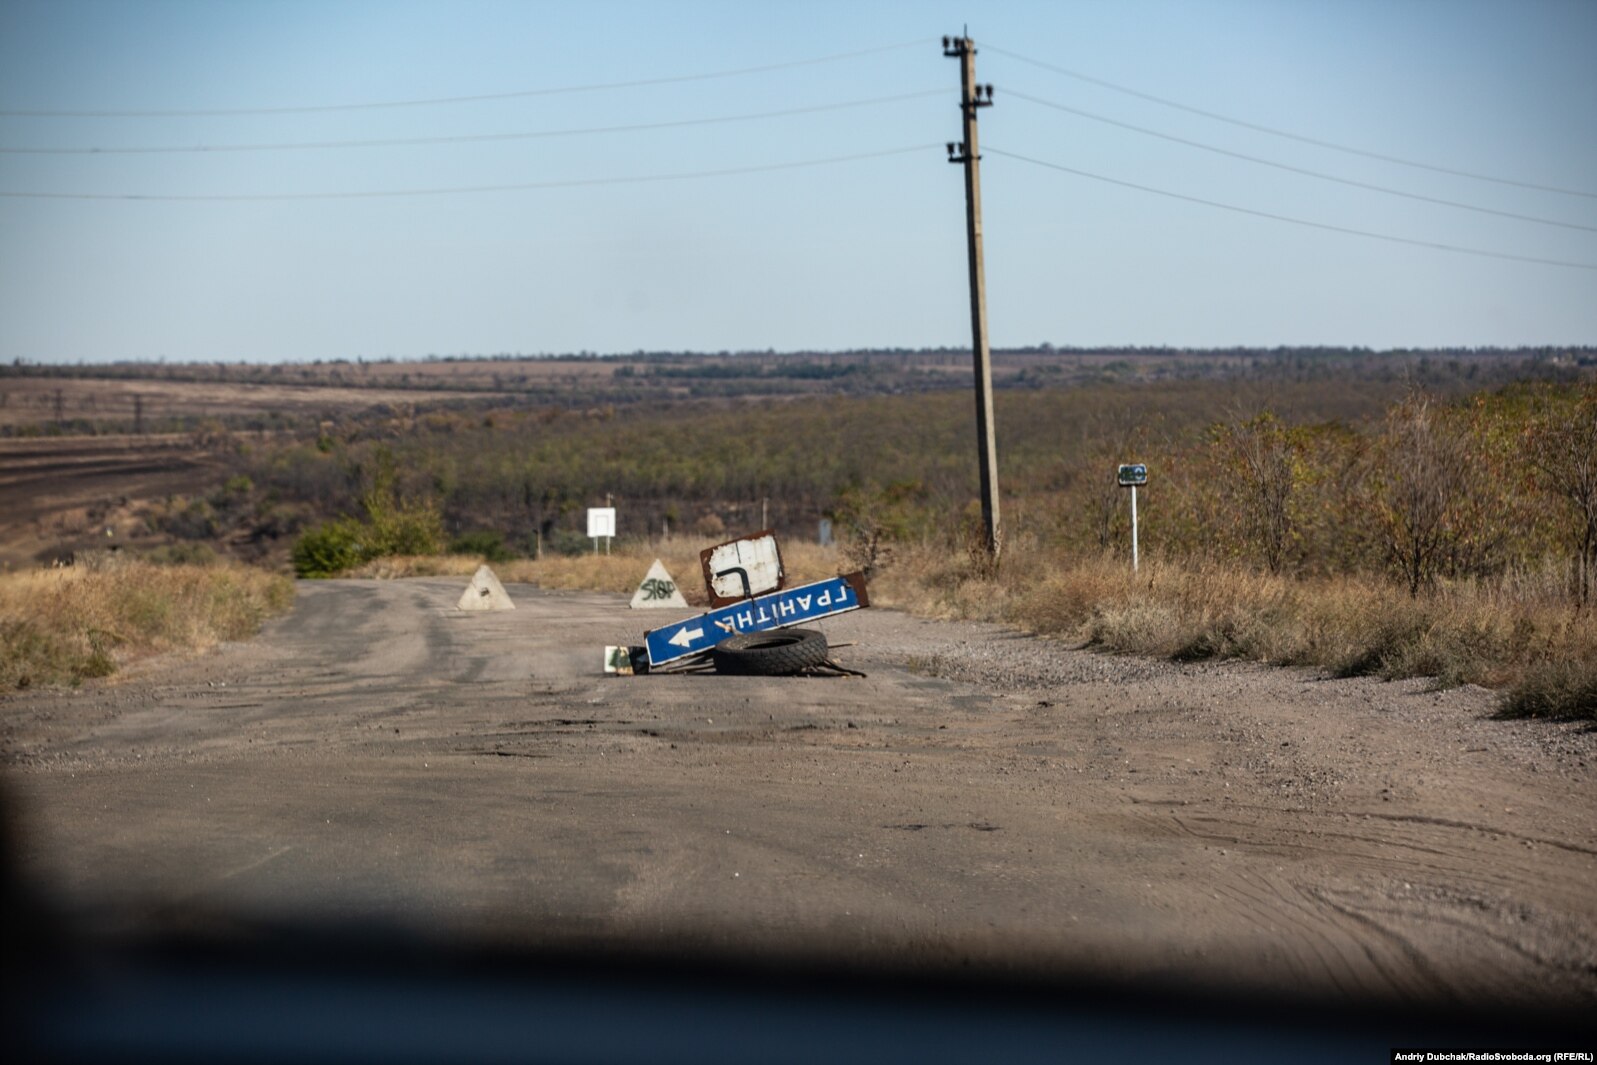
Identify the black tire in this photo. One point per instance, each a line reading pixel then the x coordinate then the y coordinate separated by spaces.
pixel 770 654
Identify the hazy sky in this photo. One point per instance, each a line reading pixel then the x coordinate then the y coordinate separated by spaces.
pixel 239 263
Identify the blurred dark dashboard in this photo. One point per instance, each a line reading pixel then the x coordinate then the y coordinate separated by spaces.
pixel 278 993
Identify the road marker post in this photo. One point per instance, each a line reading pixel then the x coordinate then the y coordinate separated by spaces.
pixel 1130 475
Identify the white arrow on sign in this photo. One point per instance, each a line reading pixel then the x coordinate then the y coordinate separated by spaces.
pixel 684 637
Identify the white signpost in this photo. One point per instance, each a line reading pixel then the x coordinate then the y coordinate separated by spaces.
pixel 1130 475
pixel 602 522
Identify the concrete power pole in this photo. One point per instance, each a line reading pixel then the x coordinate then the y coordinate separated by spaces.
pixel 970 100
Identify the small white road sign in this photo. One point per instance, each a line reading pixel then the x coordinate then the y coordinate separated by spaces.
pixel 601 521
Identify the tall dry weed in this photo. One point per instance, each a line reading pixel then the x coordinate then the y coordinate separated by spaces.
pixel 64 625
pixel 1517 633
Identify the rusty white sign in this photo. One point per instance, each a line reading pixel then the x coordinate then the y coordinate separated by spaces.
pixel 742 568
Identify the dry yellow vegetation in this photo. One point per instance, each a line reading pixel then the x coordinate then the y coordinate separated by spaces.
pixel 60 626
pixel 1518 633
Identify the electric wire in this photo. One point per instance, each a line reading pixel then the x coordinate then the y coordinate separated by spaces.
pixel 471 138
pixel 466 189
pixel 1287 218
pixel 1215 115
pixel 476 98
pixel 1295 169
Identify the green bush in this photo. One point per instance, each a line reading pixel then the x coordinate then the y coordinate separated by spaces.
pixel 397 526
pixel 330 549
pixel 490 546
pixel 393 526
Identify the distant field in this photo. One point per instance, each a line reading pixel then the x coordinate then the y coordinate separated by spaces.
pixel 156 397
pixel 60 495
pixel 120 403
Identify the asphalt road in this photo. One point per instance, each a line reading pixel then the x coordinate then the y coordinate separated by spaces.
pixel 379 756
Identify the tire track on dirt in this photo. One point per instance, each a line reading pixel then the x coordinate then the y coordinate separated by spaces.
pixel 452 765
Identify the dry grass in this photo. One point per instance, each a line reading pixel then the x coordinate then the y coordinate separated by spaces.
pixel 1564 690
pixel 1518 634
pixel 60 626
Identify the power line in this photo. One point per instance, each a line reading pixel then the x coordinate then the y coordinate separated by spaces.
pixel 517 187
pixel 1296 169
pixel 479 137
pixel 477 98
pixel 1287 133
pixel 1287 218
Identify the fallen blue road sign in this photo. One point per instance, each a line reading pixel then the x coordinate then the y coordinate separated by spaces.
pixel 790 606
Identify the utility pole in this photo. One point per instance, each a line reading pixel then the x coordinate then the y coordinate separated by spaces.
pixel 967 152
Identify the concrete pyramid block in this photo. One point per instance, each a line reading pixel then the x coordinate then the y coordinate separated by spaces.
pixel 485 593
pixel 658 589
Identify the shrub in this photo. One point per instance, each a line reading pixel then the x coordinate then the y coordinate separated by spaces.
pixel 186 554
pixel 490 546
pixel 63 626
pixel 193 520
pixel 871 520
pixel 330 549
pixel 567 542
pixel 1561 690
pixel 408 530
pixel 392 527
pixel 396 526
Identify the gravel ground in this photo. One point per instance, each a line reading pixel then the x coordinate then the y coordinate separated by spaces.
pixel 980 796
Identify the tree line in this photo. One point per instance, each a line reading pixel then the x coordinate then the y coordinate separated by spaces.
pixel 1372 477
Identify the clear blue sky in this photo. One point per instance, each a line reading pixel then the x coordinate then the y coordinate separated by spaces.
pixel 868 252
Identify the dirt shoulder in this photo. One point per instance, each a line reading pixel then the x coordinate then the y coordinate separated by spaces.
pixel 981 796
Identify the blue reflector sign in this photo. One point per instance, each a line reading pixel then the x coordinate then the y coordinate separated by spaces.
pixel 790 606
